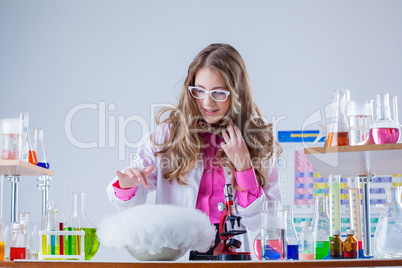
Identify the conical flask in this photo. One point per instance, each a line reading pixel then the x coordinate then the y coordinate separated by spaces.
pixel 78 221
pixel 384 130
pixel 388 234
pixel 339 129
pixel 320 227
pixel 40 148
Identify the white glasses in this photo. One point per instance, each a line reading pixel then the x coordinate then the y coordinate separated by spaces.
pixel 216 95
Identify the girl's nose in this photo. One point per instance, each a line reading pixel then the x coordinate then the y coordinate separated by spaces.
pixel 208 100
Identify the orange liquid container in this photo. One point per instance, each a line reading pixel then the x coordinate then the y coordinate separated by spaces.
pixel 337 139
pixel 1 251
pixel 32 158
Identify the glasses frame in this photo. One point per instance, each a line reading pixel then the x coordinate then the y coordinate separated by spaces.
pixel 209 92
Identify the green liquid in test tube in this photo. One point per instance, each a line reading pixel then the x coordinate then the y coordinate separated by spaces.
pixel 334 203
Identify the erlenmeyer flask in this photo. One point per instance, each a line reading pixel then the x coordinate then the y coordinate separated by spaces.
pixel 40 148
pixel 78 221
pixel 339 129
pixel 321 226
pixel 29 154
pixel 388 234
pixel 384 130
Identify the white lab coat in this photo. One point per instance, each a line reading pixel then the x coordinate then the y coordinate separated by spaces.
pixel 186 195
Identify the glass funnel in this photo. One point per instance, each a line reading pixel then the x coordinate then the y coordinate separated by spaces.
pixel 78 221
pixel 339 129
pixel 384 130
pixel 388 234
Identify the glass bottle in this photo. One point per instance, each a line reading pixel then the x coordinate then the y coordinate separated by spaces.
pixel 2 243
pixel 306 242
pixel 354 210
pixel 29 154
pixel 18 242
pixel 339 129
pixel 334 203
pixel 321 226
pixel 336 245
pixel 27 230
pixel 388 234
pixel 292 244
pixel 78 221
pixel 350 246
pixel 384 130
pixel 39 148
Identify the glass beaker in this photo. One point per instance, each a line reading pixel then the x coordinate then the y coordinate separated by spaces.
pixel 78 221
pixel 334 203
pixel 354 210
pixel 321 225
pixel 384 129
pixel 388 234
pixel 339 129
pixel 11 138
pixel 272 231
pixel 360 115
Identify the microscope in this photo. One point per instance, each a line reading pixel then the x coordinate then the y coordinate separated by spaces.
pixel 226 250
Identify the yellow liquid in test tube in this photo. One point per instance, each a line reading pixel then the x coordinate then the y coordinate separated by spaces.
pixel 335 206
pixel 354 212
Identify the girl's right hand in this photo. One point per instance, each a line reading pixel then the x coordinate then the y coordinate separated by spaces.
pixel 133 177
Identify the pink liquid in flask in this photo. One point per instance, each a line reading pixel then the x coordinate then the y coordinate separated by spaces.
pixel 384 135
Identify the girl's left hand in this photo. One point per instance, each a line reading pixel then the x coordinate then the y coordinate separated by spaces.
pixel 236 148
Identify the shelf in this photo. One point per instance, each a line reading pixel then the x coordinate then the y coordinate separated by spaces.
pixel 349 161
pixel 22 168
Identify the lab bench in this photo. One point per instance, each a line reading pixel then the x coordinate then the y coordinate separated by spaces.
pixel 207 264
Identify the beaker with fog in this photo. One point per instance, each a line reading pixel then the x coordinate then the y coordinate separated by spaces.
pixel 360 115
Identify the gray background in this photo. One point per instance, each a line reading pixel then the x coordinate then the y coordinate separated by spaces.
pixel 132 56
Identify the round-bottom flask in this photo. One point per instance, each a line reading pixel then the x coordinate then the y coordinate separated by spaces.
pixel 388 234
pixel 384 130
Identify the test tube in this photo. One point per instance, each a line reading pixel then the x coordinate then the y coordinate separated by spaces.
pixel 335 203
pixel 354 209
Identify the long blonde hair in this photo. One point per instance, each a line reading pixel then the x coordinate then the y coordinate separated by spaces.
pixel 185 147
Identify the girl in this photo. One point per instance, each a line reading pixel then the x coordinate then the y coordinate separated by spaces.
pixel 216 135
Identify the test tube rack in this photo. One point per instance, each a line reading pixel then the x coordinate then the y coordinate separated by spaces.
pixel 64 234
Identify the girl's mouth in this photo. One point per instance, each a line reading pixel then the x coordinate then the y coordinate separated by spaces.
pixel 210 111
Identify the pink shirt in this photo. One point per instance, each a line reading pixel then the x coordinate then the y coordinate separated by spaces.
pixel 210 192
